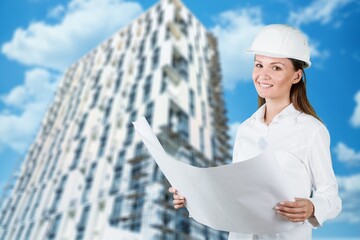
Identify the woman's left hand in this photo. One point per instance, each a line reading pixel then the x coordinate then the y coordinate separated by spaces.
pixel 297 211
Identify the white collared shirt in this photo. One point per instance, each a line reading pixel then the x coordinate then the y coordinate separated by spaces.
pixel 302 146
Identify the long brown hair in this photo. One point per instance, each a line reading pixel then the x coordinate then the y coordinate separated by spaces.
pixel 298 95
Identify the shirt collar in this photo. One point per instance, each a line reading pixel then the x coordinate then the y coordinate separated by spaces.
pixel 287 114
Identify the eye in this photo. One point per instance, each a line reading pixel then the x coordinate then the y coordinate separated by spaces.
pixel 258 65
pixel 276 68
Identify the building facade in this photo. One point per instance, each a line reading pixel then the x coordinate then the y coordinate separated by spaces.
pixel 87 174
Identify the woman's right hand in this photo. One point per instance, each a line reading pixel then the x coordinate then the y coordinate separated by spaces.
pixel 179 201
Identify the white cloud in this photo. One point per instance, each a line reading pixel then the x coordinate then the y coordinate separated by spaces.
pixel 84 25
pixel 318 11
pixel 25 107
pixel 346 154
pixel 235 31
pixel 349 190
pixel 56 12
pixel 355 118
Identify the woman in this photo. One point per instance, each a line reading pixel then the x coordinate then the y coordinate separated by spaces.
pixel 287 123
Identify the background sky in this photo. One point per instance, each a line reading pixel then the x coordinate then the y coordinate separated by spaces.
pixel 39 39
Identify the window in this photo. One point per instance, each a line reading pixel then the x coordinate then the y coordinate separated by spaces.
pixel 181 65
pixel 155 58
pixel 167 33
pixel 141 68
pixel 54 228
pixel 78 153
pixel 132 97
pixel 54 164
pixel 137 205
pixel 128 40
pixel 116 181
pixel 141 48
pixel 121 62
pixel 38 199
pixel 154 39
pixel 86 192
pixel 118 82
pixel 163 82
pixel 82 224
pixel 81 125
pixel 201 67
pixel 29 231
pixel 120 160
pixel 149 112
pixel 202 140
pixel 88 183
pixel 160 17
pixel 103 140
pixel 157 175
pixel 190 18
pixel 97 78
pixel 139 149
pixel 26 211
pixel 192 102
pixel 148 24
pixel 130 129
pixel 21 229
pixel 182 222
pixel 191 53
pixel 147 89
pixel 116 211
pixel 179 123
pixel 108 55
pixel 203 113
pixel 117 173
pixel 199 87
pixel 108 109
pixel 58 194
pixel 95 96
pixel 133 116
pixel 182 25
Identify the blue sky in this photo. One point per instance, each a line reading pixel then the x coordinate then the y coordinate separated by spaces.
pixel 39 39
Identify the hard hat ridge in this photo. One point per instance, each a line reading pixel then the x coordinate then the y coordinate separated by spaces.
pixel 282 41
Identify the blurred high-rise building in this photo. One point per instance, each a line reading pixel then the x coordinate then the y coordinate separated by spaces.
pixel 87 174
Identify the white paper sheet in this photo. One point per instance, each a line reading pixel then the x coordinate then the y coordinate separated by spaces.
pixel 238 197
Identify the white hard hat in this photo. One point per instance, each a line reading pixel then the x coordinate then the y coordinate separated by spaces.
pixel 282 41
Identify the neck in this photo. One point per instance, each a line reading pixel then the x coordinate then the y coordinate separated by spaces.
pixel 273 108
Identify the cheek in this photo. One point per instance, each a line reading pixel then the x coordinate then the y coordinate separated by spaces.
pixel 254 75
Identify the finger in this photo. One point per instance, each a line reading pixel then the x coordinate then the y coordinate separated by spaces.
pixel 291 209
pixel 292 216
pixel 172 190
pixel 177 202
pixel 179 206
pixel 178 197
pixel 292 204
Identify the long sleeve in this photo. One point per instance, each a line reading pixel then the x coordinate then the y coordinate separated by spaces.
pixel 325 197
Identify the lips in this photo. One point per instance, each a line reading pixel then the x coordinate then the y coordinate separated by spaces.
pixel 265 85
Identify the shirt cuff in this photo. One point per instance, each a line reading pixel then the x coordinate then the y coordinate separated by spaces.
pixel 315 221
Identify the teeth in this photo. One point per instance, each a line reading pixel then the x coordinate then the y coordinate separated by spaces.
pixel 264 85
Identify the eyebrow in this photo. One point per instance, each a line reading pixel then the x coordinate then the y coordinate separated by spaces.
pixel 271 62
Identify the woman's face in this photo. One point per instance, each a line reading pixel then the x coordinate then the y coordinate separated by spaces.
pixel 273 77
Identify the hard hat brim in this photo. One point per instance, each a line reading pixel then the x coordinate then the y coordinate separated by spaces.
pixel 307 63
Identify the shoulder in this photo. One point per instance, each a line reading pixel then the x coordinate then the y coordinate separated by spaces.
pixel 312 124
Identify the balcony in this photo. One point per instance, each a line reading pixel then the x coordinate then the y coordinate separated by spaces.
pixel 171 75
pixel 174 30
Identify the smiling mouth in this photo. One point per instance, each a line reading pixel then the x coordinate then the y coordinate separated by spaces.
pixel 264 85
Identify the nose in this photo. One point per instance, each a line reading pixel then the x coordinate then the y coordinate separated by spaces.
pixel 263 73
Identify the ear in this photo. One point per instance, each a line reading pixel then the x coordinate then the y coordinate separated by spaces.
pixel 297 76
